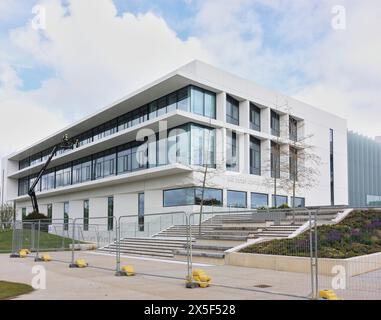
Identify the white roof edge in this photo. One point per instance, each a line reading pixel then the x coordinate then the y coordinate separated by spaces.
pixel 109 106
pixel 189 70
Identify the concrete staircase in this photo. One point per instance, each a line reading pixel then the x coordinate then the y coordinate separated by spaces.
pixel 153 247
pixel 218 234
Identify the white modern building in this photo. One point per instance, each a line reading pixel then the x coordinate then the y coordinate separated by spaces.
pixel 199 115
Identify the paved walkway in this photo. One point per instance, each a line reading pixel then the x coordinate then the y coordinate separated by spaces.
pixel 154 280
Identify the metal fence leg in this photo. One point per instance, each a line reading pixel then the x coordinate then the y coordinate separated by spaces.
pixel 32 236
pixel 316 257
pixel 72 264
pixel 37 258
pixel 14 253
pixel 311 257
pixel 118 234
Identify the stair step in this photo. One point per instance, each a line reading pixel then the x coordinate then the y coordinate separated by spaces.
pixel 140 253
pixel 210 247
pixel 148 245
pixel 196 253
pixel 129 248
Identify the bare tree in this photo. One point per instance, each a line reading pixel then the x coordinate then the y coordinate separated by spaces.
pixel 7 213
pixel 205 172
pixel 294 164
pixel 304 162
pixel 277 166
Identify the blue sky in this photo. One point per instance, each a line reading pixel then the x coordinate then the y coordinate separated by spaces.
pixel 92 53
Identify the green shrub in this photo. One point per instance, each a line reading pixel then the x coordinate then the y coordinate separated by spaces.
pixel 358 234
pixel 35 216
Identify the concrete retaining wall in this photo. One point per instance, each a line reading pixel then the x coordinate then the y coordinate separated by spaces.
pixel 353 266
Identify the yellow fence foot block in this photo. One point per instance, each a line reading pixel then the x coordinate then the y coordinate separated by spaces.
pixel 46 258
pixel 201 278
pixel 328 295
pixel 128 270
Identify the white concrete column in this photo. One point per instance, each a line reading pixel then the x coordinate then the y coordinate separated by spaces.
pixel 221 106
pixel 265 120
pixel 241 152
pixel 221 149
pixel 125 204
pixel 245 155
pixel 76 210
pixel 284 126
pixel 265 158
pixel 225 197
pixel 98 208
pixel 284 160
pixel 43 208
pixel 244 114
pixel 58 211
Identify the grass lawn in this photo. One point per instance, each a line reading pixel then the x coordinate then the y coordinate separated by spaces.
pixel 358 234
pixel 47 241
pixel 12 289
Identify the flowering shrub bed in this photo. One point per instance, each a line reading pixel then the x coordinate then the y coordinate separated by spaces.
pixel 358 234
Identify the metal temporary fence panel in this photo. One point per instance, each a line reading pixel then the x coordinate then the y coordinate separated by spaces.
pixel 235 227
pixel 6 232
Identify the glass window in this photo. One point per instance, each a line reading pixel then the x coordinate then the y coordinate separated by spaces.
pixel 210 104
pixel 24 163
pixel 259 200
pixel 299 202
pixel 141 211
pixel 232 110
pixel 203 146
pixel 255 117
pixel 85 138
pixel 183 102
pixel 63 176
pixel 23 186
pixel 178 197
pixel 275 124
pixel 35 159
pixel 23 213
pixel 331 167
pixel 172 102
pixel 82 170
pixel 192 196
pixel 86 215
pixel 47 180
pixel 197 101
pixel 45 154
pixel 212 197
pixel 237 199
pixel 255 156
pixel 279 200
pixel 105 130
pixel 153 110
pixel 66 216
pixel 50 212
pixel 37 188
pixel 124 161
pixel 110 213
pixel 232 151
pixel 293 129
pixel 162 106
pixel 104 164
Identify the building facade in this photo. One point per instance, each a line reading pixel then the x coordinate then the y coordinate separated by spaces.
pixel 364 171
pixel 148 152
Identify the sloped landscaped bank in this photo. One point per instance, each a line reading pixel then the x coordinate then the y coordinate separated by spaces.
pixel 354 243
pixel 9 290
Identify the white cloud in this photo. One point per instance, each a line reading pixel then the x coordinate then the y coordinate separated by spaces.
pixel 345 67
pixel 97 58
